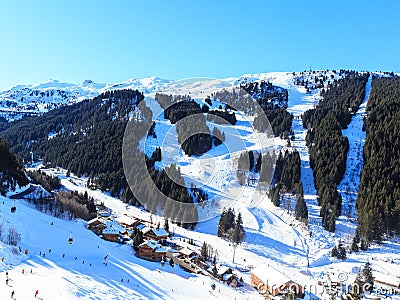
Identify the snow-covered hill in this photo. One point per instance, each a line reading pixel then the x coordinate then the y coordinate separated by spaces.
pixel 35 99
pixel 273 236
pixel 32 100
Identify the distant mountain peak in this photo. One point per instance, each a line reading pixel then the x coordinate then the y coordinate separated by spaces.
pixel 87 82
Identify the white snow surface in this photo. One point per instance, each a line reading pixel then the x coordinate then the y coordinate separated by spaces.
pixel 273 236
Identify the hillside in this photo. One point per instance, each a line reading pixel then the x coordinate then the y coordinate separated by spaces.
pixel 12 176
pixel 81 144
pixel 34 100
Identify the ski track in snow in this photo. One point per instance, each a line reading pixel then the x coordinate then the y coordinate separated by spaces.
pixel 350 184
pixel 273 235
pixel 299 102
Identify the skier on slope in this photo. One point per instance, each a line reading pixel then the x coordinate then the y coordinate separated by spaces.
pixel 36 293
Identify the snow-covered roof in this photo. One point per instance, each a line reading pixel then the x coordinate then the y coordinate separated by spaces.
pixel 160 232
pixel 154 245
pixel 270 276
pixel 140 226
pixel 222 270
pixel 146 229
pixel 104 213
pixel 126 220
pixel 110 230
pixel 115 226
pixel 95 220
pixel 186 251
pixel 161 250
pixel 226 277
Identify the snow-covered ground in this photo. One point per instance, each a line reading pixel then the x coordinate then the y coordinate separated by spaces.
pixel 35 99
pixel 350 184
pixel 81 273
pixel 273 236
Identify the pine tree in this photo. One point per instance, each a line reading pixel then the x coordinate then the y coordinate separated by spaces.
pixel 166 225
pixel 239 221
pixel 238 231
pixel 222 224
pixel 236 234
pixel 301 211
pixel 204 252
pixel 354 245
pixel 137 237
pixel 364 245
pixel 274 194
pixel 334 252
pixel 214 270
pixel 368 277
pixel 341 251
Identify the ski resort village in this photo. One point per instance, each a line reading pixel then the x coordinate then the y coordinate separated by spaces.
pixel 280 185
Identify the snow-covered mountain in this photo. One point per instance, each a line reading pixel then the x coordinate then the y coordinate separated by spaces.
pixel 36 99
pixel 33 100
pixel 273 235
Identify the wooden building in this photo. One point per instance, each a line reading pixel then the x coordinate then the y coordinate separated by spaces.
pixel 271 282
pixel 96 225
pixel 114 232
pixel 151 250
pixel 128 222
pixel 111 234
pixel 183 260
pixel 154 234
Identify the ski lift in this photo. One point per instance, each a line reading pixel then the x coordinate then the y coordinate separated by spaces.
pixel 13 208
pixel 70 239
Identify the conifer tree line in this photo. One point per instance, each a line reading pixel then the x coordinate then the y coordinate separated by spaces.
pixel 88 141
pixel 209 254
pixel 287 180
pixel 11 169
pixel 378 202
pixel 286 177
pixel 327 146
pixel 228 116
pixel 193 133
pixel 88 137
pixel 317 78
pixel 256 162
pixel 218 136
pixel 176 190
pixel 183 109
pixel 273 101
pixel 230 226
pixel 266 94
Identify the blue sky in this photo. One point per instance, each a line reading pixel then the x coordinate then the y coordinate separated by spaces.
pixel 111 41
